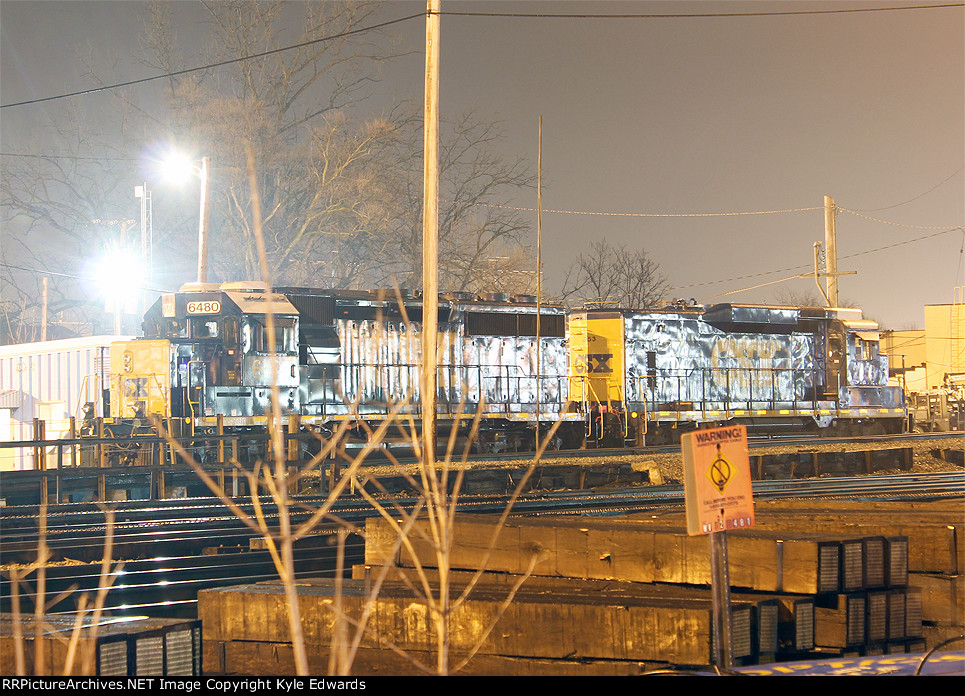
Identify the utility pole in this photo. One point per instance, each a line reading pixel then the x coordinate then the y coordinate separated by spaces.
pixel 831 252
pixel 203 224
pixel 43 313
pixel 539 268
pixel 143 193
pixel 430 235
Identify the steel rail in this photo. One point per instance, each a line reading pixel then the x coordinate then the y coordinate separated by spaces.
pixel 154 523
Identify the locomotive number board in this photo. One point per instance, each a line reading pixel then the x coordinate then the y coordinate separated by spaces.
pixel 204 307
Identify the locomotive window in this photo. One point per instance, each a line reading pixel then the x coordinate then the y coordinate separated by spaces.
pixel 202 327
pixel 231 331
pixel 865 350
pixel 255 336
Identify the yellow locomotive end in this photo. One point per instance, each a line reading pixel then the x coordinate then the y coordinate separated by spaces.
pixel 140 378
pixel 596 371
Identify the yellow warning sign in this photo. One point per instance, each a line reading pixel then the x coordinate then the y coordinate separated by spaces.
pixel 717 480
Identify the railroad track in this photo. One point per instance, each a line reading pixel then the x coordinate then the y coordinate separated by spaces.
pixel 206 522
pixel 173 551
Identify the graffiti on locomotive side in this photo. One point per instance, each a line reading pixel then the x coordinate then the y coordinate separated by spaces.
pixel 745 364
pixel 747 352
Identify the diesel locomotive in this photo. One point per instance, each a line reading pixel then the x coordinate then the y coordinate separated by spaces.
pixel 648 376
pixel 210 354
pixel 336 355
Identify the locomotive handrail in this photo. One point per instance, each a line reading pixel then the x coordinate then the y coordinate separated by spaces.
pixel 83 391
pixel 200 387
pixel 754 400
pixel 500 386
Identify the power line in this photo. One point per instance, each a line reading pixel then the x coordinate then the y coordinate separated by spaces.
pixel 897 224
pixel 910 200
pixel 72 276
pixel 220 64
pixel 400 20
pixel 897 244
pixel 655 215
pixel 69 157
pixel 696 15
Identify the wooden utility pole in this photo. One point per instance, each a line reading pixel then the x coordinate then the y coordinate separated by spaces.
pixel 539 270
pixel 430 235
pixel 831 251
pixel 43 313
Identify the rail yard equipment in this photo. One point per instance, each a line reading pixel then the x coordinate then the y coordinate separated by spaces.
pixel 652 375
pixel 211 356
pixel 333 356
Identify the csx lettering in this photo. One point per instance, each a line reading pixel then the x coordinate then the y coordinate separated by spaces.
pixel 592 363
pixel 599 362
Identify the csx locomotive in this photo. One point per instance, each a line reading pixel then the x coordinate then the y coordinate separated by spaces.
pixel 648 376
pixel 608 376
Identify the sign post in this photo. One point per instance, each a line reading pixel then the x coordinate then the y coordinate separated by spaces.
pixel 718 495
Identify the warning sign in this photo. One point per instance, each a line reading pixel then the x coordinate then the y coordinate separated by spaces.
pixel 717 480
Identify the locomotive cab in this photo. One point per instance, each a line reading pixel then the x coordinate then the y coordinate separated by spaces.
pixel 865 401
pixel 209 350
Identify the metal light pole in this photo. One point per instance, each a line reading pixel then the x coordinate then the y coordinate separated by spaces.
pixel 147 236
pixel 203 224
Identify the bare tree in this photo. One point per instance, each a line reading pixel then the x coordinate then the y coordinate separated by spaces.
pixel 318 172
pixel 614 277
pixel 341 195
pixel 59 211
pixel 481 242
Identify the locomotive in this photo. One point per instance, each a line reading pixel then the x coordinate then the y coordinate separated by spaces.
pixel 212 354
pixel 337 355
pixel 649 376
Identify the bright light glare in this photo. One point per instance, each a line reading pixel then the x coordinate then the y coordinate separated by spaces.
pixel 177 168
pixel 119 275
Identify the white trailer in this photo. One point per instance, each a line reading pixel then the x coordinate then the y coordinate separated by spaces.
pixel 49 381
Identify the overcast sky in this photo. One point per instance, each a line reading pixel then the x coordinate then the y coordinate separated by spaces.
pixel 650 124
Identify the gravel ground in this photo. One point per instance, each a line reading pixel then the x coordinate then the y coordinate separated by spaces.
pixel 671 466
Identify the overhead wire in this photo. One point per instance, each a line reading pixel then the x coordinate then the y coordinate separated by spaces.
pixel 921 195
pixel 695 15
pixel 72 276
pixel 536 15
pixel 68 157
pixel 219 64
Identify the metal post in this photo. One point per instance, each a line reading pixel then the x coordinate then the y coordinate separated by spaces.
pixel 720 581
pixel 43 312
pixel 539 267
pixel 203 224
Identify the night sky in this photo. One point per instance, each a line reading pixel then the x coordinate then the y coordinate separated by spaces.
pixel 649 125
